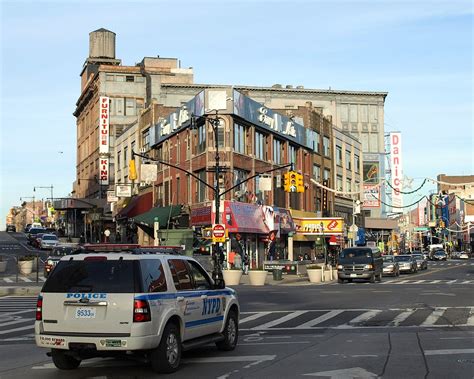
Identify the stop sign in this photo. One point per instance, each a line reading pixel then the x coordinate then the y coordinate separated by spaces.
pixel 218 231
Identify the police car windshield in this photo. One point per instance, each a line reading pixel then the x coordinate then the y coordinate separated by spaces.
pixel 110 276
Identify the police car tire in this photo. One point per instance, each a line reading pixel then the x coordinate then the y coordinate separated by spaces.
pixel 159 358
pixel 231 333
pixel 63 361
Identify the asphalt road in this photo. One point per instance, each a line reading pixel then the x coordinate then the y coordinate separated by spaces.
pixel 415 326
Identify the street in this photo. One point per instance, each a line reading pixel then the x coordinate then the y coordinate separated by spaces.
pixel 414 326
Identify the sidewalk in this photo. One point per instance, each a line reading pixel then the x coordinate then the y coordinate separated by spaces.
pixel 20 290
pixel 287 280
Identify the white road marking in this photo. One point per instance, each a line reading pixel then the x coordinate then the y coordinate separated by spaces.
pixel 8 280
pixel 364 317
pixel 402 317
pixel 419 281
pixel 449 351
pixel 16 321
pixel 320 319
pixel 225 359
pixel 25 279
pixel 18 312
pixel 17 329
pixel 433 317
pixel 273 343
pixel 470 320
pixel 281 320
pixel 467 282
pixel 451 281
pixel 435 281
pixel 253 317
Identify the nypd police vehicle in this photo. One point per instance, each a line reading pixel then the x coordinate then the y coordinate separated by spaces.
pixel 109 300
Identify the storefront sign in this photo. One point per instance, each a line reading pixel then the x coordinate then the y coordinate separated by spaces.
pixel 104 127
pixel 371 196
pixel 258 114
pixel 396 169
pixel 319 226
pixel 169 125
pixel 201 216
pixel 243 218
pixel 111 197
pixel 104 171
pixel 123 190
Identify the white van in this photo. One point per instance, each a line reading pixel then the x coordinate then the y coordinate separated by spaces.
pixel 141 301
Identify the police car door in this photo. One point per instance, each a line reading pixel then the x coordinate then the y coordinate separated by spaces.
pixel 188 301
pixel 213 301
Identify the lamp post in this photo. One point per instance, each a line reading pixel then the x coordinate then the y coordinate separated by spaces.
pixel 324 245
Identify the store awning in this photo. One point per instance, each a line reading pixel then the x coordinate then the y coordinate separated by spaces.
pixel 244 218
pixel 137 206
pixel 162 214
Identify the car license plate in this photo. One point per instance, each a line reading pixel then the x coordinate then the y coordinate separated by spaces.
pixel 353 275
pixel 85 312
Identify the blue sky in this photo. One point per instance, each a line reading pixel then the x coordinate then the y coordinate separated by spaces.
pixel 420 52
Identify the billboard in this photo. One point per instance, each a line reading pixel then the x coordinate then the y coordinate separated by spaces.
pixel 104 124
pixel 371 172
pixel 396 166
pixel 371 196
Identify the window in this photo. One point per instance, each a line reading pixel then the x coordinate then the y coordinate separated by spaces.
pixel 316 172
pixel 201 143
pixel 201 280
pixel 239 176
pixel 277 147
pixel 201 194
pixel 118 159
pixel 357 186
pixel 356 163
pixel 258 192
pixel 153 276
pixel 109 78
pixel 221 133
pixel 348 185
pixel 181 277
pixel 327 174
pixel 239 138
pixel 348 160
pixel 326 146
pixel 146 139
pixel 125 156
pixel 292 154
pixel 339 155
pixel 317 146
pixel 130 107
pixel 129 78
pixel 259 145
pixel 339 183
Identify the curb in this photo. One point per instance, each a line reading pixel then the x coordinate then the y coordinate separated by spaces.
pixel 20 291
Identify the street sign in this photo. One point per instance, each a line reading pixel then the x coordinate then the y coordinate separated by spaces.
pixel 218 233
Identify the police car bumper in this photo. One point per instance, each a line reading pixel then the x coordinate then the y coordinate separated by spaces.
pixel 97 342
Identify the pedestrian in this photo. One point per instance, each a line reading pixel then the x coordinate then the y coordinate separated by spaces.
pixel 245 266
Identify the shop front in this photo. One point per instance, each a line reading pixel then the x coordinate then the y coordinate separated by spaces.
pixel 248 232
pixel 316 237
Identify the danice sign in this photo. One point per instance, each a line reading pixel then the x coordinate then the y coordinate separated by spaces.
pixel 396 169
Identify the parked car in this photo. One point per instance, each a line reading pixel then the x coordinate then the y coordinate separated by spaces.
pixel 407 263
pixel 390 266
pixel 32 234
pixel 439 255
pixel 57 252
pixel 360 263
pixel 11 228
pixel 135 302
pixel 48 241
pixel 421 263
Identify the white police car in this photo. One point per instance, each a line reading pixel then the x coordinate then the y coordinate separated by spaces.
pixel 140 300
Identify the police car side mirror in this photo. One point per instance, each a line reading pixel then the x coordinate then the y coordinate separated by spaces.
pixel 219 284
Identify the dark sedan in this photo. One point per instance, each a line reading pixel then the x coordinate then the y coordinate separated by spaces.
pixel 420 261
pixel 439 255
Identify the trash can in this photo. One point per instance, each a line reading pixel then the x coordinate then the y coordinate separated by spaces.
pixel 277 274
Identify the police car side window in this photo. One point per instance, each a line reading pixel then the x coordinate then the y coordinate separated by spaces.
pixel 201 280
pixel 153 276
pixel 181 275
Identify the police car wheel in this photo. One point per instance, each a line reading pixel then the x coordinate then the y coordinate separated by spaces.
pixel 63 361
pixel 167 356
pixel 231 333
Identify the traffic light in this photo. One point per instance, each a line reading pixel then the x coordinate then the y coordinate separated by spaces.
pixel 299 183
pixel 132 171
pixel 293 181
pixel 286 182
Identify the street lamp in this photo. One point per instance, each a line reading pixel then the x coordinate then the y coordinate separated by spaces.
pixel 324 245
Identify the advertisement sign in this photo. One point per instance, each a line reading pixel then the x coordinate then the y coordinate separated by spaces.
pixel 201 216
pixel 171 124
pixel 243 218
pixel 148 173
pixel 111 198
pixel 104 171
pixel 371 196
pixel 371 172
pixel 319 226
pixel 123 190
pixel 104 126
pixel 396 169
pixel 421 213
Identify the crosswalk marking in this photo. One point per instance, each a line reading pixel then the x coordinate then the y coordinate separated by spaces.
pixel 402 317
pixel 17 329
pixel 470 320
pixel 435 281
pixel 25 279
pixel 8 280
pixel 433 317
pixel 253 317
pixel 19 321
pixel 451 281
pixel 281 320
pixel 320 319
pixel 364 317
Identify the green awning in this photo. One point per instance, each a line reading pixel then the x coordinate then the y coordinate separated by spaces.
pixel 162 214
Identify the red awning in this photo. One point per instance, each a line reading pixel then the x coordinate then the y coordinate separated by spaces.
pixel 243 218
pixel 136 206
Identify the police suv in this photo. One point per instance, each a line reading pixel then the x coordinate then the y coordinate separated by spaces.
pixel 112 300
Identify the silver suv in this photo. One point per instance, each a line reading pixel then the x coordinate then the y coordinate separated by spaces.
pixel 142 300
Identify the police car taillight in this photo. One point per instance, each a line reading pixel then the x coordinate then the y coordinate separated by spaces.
pixel 39 308
pixel 141 311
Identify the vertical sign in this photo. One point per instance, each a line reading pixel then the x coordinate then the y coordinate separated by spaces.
pixel 104 171
pixel 396 169
pixel 104 119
